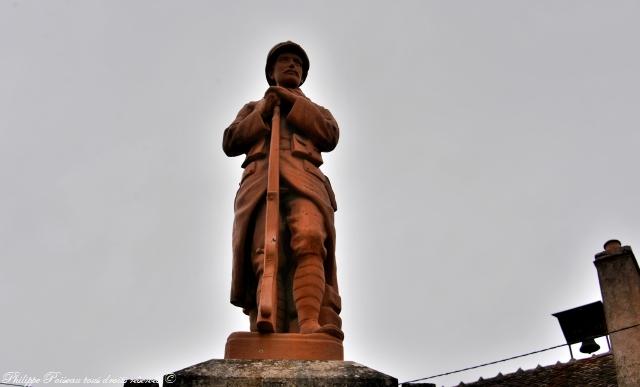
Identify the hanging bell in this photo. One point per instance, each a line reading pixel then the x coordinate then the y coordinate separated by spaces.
pixel 589 346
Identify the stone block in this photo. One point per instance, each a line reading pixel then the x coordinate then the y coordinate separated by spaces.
pixel 280 373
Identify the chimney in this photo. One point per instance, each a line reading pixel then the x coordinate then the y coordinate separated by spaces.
pixel 619 277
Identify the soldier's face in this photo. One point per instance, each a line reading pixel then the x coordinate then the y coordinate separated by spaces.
pixel 287 70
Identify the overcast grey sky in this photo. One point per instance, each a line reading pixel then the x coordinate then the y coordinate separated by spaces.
pixel 487 150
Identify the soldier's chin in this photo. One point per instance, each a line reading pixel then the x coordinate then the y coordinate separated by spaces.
pixel 290 82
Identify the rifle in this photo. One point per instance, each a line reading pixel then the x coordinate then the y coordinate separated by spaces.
pixel 268 302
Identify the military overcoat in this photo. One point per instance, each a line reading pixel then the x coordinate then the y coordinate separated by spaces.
pixel 307 129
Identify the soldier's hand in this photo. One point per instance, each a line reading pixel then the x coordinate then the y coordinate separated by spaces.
pixel 265 106
pixel 286 96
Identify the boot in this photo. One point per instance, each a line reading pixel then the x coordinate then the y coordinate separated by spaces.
pixel 308 290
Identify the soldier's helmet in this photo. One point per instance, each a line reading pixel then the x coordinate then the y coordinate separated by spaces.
pixel 283 47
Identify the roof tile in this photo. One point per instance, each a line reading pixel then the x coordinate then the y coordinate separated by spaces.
pixel 596 371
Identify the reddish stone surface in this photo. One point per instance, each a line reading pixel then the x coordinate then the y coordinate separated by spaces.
pixel 284 269
pixel 283 346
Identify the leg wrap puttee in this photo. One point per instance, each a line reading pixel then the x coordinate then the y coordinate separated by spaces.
pixel 308 291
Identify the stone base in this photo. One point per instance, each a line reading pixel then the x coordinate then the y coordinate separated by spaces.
pixel 280 373
pixel 283 346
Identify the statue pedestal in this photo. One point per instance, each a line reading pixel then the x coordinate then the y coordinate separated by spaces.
pixel 283 346
pixel 281 373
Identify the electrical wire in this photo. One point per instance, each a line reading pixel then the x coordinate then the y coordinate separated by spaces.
pixel 486 364
pixel 512 357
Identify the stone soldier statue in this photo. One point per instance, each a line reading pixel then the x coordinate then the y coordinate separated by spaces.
pixel 308 300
